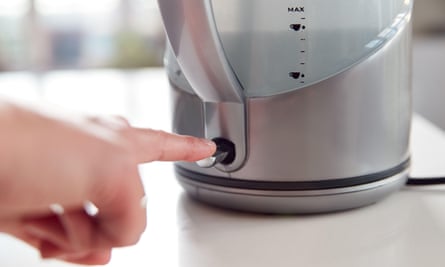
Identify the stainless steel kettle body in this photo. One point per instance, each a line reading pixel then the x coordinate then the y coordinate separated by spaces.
pixel 312 116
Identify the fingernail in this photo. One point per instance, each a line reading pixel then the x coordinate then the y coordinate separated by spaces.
pixel 91 209
pixel 57 209
pixel 208 142
pixel 143 202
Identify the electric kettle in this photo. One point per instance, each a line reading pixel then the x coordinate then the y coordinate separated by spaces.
pixel 309 101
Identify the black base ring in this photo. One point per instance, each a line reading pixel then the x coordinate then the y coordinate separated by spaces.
pixel 292 186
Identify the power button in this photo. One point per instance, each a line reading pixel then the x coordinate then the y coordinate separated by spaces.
pixel 225 154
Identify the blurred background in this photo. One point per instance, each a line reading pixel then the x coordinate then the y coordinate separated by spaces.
pixel 42 35
pixel 429 60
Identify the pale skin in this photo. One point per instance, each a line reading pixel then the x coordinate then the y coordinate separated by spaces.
pixel 47 158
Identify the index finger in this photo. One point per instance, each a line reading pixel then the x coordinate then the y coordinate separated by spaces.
pixel 155 145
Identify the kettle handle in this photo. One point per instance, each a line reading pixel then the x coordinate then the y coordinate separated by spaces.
pixel 192 34
pixel 193 38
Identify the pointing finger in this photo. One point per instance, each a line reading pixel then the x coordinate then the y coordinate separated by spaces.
pixel 156 145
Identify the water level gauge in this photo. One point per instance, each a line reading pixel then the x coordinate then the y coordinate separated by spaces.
pixel 299 27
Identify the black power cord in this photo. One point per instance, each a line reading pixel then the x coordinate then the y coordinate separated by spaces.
pixel 425 181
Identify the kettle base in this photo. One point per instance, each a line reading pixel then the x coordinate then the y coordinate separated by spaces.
pixel 293 202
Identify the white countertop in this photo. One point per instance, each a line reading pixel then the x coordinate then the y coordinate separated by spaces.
pixel 406 229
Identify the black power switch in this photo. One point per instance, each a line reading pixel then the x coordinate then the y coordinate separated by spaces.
pixel 225 154
pixel 224 146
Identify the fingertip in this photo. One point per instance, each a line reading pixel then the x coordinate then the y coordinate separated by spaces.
pixel 203 148
pixel 210 144
pixel 155 145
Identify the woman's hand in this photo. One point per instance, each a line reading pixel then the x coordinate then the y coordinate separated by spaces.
pixel 53 167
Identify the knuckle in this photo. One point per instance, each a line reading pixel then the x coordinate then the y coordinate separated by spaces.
pixel 130 231
pixel 129 240
pixel 110 174
pixel 117 182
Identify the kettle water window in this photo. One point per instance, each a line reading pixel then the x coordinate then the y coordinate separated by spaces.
pixel 277 46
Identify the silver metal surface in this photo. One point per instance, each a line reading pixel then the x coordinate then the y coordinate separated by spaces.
pixel 192 35
pixel 355 123
pixel 351 124
pixel 194 41
pixel 290 202
pixel 209 162
pixel 264 49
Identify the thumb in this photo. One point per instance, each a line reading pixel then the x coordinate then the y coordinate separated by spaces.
pixel 154 145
